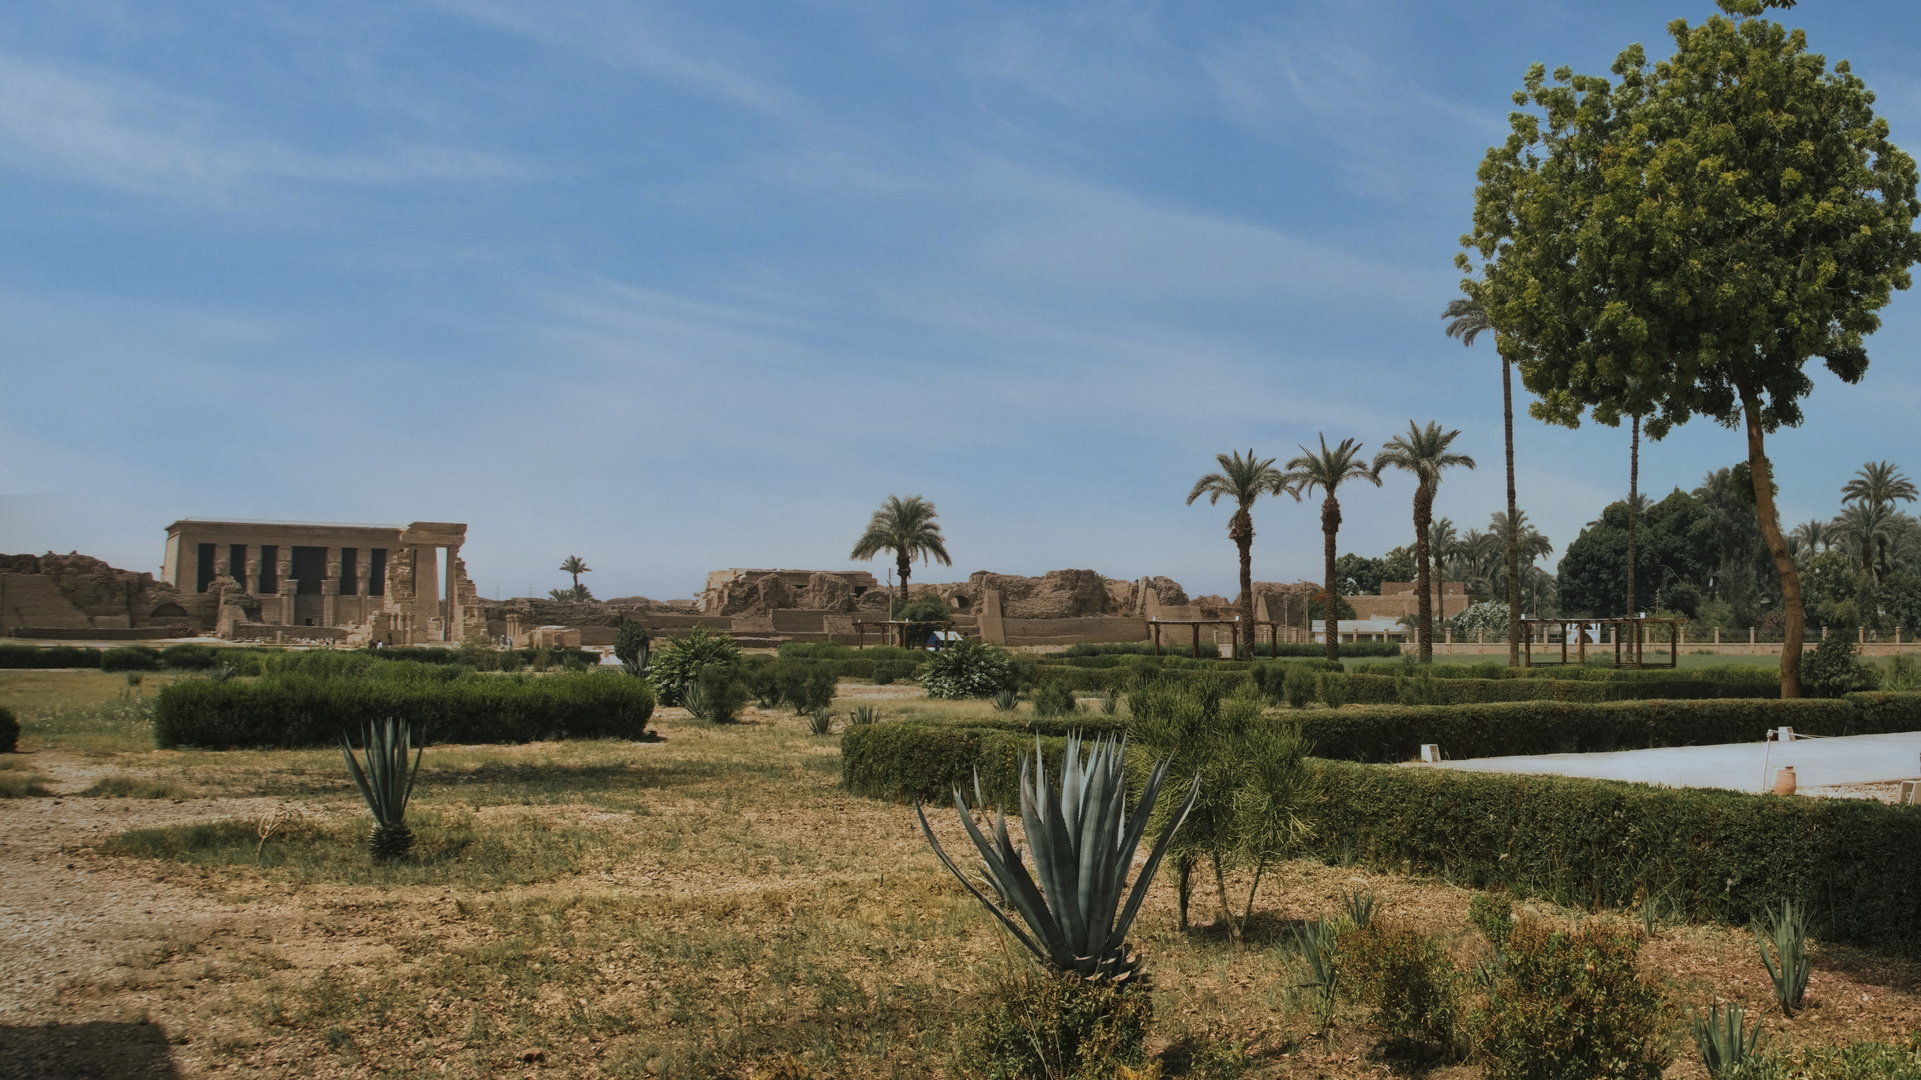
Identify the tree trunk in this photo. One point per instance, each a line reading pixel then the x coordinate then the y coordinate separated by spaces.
pixel 1440 589
pixel 1634 489
pixel 1423 612
pixel 1513 525
pixel 1227 910
pixel 1770 522
pixel 1183 884
pixel 906 567
pixel 1331 608
pixel 1241 531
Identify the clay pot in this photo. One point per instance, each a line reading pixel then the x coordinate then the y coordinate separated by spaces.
pixel 1784 781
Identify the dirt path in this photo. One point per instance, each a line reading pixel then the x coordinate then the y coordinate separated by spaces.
pixel 69 914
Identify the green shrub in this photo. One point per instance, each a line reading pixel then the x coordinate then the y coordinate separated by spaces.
pixel 9 731
pixel 633 646
pixel 296 709
pixel 1333 688
pixel 1492 915
pixel 1834 669
pixel 1408 979
pixel 1054 699
pixel 1394 734
pixel 1568 1003
pixel 715 694
pixel 827 650
pixel 681 660
pixel 55 656
pixel 1041 1025
pixel 806 687
pixel 888 672
pixel 1298 687
pixel 1717 856
pixel 927 608
pixel 130 658
pixel 189 656
pixel 969 670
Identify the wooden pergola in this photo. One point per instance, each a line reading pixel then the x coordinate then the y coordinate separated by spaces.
pixel 1273 630
pixel 1631 657
pixel 895 629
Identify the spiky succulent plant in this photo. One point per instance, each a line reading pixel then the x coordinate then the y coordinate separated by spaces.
pixel 1083 841
pixel 386 783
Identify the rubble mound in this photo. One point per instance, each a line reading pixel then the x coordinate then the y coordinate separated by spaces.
pixel 1057 594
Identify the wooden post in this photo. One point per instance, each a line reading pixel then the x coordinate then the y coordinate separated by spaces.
pixel 1564 643
pixel 1156 625
pixel 1674 644
pixel 1196 627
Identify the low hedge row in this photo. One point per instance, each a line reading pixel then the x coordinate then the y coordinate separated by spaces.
pixel 1715 856
pixel 1171 646
pixel 53 656
pixel 1387 689
pixel 855 667
pixel 300 710
pixel 1730 675
pixel 1395 733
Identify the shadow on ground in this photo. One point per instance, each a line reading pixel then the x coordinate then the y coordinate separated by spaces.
pixel 89 1051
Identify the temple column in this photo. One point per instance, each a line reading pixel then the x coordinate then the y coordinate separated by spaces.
pixel 451 625
pixel 330 588
pixel 283 571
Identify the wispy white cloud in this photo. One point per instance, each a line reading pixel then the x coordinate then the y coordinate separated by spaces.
pixel 119 132
pixel 632 36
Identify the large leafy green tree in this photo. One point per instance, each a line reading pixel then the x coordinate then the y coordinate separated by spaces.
pixel 1683 241
pixel 1677 551
pixel 1424 452
pixel 1242 479
pixel 1467 320
pixel 1328 470
pixel 905 528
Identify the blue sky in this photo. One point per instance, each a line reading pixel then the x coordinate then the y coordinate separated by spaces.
pixel 676 287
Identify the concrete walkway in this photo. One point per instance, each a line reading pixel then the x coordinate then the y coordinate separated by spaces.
pixel 1856 759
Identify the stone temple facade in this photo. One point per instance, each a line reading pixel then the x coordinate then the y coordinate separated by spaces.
pixel 289 580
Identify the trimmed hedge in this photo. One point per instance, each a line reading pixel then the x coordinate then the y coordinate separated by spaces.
pixel 301 710
pixel 1171 646
pixel 828 650
pixel 1718 856
pixel 130 658
pixel 854 667
pixel 1386 690
pixel 55 656
pixel 1395 733
pixel 1731 675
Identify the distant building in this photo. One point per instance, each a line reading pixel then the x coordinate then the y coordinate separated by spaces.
pixel 388 582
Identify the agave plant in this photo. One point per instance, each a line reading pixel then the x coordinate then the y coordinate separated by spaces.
pixel 1359 907
pixel 820 722
pixel 1083 841
pixel 863 715
pixel 386 784
pixel 1725 1042
pixel 1318 950
pixel 1787 931
pixel 1005 701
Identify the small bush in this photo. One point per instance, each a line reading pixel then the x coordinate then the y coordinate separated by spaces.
pixel 1568 1003
pixel 1409 981
pixel 716 694
pixel 970 670
pixel 123 786
pixel 1061 1026
pixel 9 731
pixel 806 687
pixel 1833 669
pixel 1332 687
pixel 130 658
pixel 1299 686
pixel 1492 915
pixel 680 662
pixel 1054 699
pixel 190 657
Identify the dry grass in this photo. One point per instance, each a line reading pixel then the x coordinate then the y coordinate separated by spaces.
pixel 711 905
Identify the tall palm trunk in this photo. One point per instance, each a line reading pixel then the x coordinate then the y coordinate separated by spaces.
pixel 1770 523
pixel 1241 531
pixel 1634 491
pixel 1513 523
pixel 906 567
pixel 1440 593
pixel 1424 613
pixel 1331 610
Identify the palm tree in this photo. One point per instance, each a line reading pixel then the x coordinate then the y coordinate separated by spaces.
pixel 1242 479
pixel 1814 535
pixel 1867 531
pixel 1423 452
pixel 907 528
pixel 574 566
pixel 1326 470
pixel 1876 487
pixel 1443 545
pixel 1467 320
pixel 1529 543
